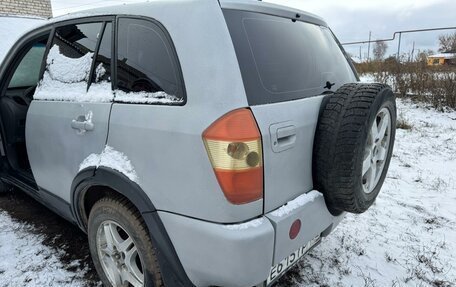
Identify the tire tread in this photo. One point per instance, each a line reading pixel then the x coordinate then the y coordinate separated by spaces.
pixel 125 207
pixel 337 142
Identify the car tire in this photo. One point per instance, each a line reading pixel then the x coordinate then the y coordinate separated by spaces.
pixel 351 155
pixel 131 253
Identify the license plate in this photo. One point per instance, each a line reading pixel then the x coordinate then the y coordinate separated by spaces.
pixel 279 269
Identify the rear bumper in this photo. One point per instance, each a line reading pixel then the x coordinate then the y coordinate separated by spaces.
pixel 243 254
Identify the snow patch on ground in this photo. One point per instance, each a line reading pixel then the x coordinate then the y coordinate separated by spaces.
pixel 296 203
pixel 111 158
pixel 25 261
pixel 246 225
pixel 367 78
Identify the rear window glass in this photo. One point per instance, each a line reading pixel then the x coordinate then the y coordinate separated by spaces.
pixel 283 60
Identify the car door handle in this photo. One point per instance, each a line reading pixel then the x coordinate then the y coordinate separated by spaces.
pixel 286 132
pixel 82 124
pixel 283 136
pixel 286 137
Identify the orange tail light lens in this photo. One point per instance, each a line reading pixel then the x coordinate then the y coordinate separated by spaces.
pixel 234 146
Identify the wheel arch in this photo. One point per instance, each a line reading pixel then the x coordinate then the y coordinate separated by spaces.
pixel 93 183
pixel 103 181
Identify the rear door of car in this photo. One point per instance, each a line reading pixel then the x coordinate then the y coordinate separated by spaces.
pixel 68 117
pixel 286 65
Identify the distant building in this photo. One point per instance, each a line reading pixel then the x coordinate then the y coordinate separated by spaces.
pixel 39 8
pixel 442 59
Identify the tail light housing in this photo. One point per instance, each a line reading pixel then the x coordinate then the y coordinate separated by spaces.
pixel 233 143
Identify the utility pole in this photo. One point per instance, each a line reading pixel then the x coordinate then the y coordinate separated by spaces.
pixel 413 51
pixel 360 56
pixel 399 47
pixel 369 46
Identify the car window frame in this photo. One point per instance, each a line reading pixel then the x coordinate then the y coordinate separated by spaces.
pixel 11 61
pixel 18 51
pixel 86 20
pixel 173 52
pixel 97 50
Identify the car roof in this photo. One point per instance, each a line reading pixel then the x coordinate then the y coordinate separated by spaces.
pixel 12 27
pixel 142 8
pixel 272 9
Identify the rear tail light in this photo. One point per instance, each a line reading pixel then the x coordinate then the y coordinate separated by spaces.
pixel 233 143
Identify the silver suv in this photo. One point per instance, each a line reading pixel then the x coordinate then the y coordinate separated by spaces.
pixel 197 143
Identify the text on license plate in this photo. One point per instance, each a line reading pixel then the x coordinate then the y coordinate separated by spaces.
pixel 279 269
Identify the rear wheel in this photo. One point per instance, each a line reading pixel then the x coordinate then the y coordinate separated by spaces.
pixel 120 246
pixel 353 145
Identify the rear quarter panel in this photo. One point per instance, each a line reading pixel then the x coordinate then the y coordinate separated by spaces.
pixel 164 143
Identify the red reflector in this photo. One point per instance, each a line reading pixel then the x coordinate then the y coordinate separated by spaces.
pixel 295 228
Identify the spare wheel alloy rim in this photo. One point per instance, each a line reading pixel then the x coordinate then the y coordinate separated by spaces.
pixel 119 255
pixel 376 150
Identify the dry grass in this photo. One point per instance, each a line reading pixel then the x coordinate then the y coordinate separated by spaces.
pixel 434 85
pixel 403 124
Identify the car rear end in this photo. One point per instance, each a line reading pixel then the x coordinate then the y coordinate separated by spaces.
pixel 262 152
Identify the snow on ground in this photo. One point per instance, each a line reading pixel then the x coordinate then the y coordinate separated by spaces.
pixel 25 261
pixel 407 238
pixel 367 78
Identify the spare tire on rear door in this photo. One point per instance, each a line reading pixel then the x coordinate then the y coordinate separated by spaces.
pixel 353 145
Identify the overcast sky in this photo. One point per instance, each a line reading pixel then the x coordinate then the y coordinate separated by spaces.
pixel 351 20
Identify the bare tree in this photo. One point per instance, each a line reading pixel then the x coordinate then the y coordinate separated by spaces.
pixel 447 43
pixel 380 48
pixel 423 55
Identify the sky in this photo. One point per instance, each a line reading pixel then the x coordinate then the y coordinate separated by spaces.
pixel 350 20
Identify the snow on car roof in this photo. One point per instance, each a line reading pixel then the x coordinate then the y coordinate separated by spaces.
pixel 12 28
